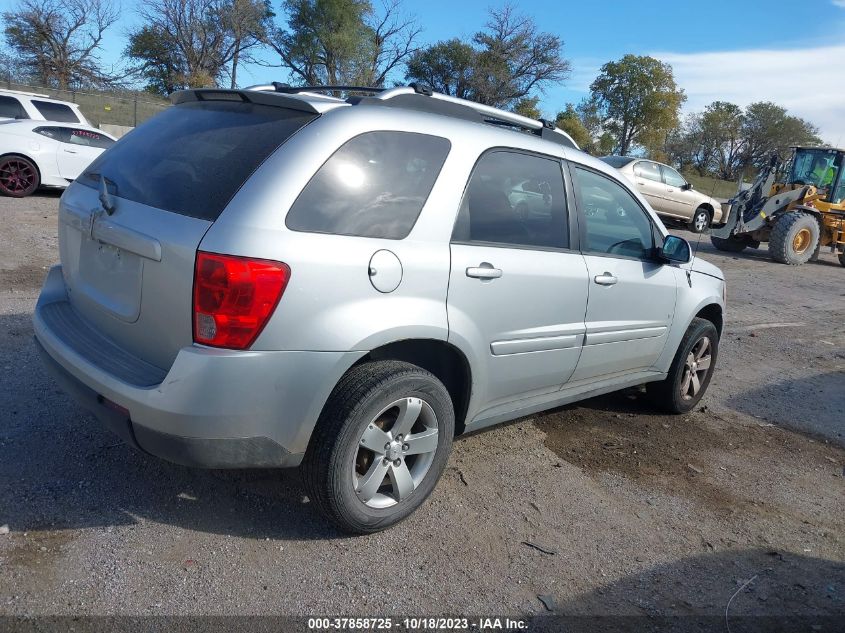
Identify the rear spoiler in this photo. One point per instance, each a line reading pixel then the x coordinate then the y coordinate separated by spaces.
pixel 277 99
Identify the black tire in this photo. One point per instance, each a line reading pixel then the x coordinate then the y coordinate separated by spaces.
pixel 19 176
pixel 731 244
pixel 700 221
pixel 333 453
pixel 668 394
pixel 786 234
pixel 842 258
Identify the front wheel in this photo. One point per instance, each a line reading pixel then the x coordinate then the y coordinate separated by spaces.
pixel 380 445
pixel 691 369
pixel 700 221
pixel 794 238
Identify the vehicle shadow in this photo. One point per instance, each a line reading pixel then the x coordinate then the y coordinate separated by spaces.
pixel 60 469
pixel 812 404
pixel 761 590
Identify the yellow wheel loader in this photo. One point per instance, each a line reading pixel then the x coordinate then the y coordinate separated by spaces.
pixel 798 207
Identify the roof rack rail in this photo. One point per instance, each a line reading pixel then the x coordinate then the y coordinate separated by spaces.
pixel 543 128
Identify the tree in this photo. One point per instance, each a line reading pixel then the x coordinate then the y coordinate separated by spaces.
pixel 527 107
pixel 337 42
pixel 59 40
pixel 249 23
pixel 768 130
pixel 720 129
pixel 507 62
pixel 191 43
pixel 570 122
pixel 637 101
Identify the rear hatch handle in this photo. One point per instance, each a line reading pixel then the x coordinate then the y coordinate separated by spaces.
pixel 124 238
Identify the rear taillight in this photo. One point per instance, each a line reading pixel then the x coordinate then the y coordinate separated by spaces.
pixel 234 298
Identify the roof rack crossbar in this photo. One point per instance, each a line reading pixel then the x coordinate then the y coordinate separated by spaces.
pixel 278 86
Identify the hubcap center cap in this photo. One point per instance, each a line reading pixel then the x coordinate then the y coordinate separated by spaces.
pixel 394 451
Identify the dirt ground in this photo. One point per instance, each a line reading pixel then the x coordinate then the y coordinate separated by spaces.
pixel 604 507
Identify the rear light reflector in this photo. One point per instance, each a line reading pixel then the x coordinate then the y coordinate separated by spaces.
pixel 234 298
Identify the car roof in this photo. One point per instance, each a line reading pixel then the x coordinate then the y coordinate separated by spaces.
pixel 36 95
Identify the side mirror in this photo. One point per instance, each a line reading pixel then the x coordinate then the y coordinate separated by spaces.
pixel 675 249
pixel 687 186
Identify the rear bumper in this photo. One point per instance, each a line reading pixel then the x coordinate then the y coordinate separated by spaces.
pixel 212 409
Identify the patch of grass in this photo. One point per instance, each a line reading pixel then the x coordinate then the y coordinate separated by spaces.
pixel 712 186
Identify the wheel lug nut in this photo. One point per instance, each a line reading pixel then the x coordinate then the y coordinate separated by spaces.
pixel 399 437
pixel 387 446
pixel 386 461
pixel 405 447
pixel 397 463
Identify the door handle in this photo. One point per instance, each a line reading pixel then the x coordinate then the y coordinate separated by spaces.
pixel 70 151
pixel 484 271
pixel 605 279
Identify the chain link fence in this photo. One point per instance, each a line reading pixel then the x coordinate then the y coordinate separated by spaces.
pixel 126 108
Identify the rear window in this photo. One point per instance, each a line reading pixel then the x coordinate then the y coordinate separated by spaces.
pixel 11 108
pixel 192 158
pixel 616 161
pixel 375 185
pixel 56 111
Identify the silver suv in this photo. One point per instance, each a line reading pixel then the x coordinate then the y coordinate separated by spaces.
pixel 271 277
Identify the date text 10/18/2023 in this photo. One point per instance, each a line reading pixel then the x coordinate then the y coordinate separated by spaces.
pixel 439 624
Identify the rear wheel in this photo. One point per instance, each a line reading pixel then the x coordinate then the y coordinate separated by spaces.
pixel 794 238
pixel 380 445
pixel 731 244
pixel 700 221
pixel 18 176
pixel 842 258
pixel 691 370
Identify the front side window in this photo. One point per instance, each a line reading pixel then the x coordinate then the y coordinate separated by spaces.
pixel 648 170
pixel 375 185
pixel 673 178
pixel 615 222
pixel 56 111
pixel 514 199
pixel 11 108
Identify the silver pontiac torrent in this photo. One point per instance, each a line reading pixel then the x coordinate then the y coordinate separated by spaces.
pixel 279 277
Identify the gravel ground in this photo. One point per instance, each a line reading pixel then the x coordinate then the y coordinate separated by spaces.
pixel 604 508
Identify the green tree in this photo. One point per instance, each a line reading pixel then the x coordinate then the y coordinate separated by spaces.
pixel 768 129
pixel 527 107
pixel 58 41
pixel 507 62
pixel 636 100
pixel 249 23
pixel 720 130
pixel 335 42
pixel 570 122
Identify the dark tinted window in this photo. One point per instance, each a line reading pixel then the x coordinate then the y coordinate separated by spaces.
pixel 88 138
pixel 11 108
pixel 56 111
pixel 617 161
pixel 192 158
pixel 516 199
pixel 373 186
pixel 648 170
pixel 616 223
pixel 55 133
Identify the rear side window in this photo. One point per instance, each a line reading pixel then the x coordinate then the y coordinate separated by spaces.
pixel 12 108
pixel 648 170
pixel 375 185
pixel 88 138
pixel 56 111
pixel 193 157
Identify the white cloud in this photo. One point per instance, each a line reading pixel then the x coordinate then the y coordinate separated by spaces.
pixel 806 81
pixel 839 3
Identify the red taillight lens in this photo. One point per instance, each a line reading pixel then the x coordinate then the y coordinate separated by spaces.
pixel 234 298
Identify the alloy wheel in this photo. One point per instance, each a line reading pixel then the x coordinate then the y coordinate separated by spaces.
pixel 395 452
pixel 701 221
pixel 696 367
pixel 16 176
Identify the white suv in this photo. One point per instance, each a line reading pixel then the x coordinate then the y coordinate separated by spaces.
pixel 15 104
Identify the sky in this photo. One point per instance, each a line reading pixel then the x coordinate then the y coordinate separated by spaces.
pixel 791 53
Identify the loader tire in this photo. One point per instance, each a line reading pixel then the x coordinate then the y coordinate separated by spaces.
pixel 794 238
pixel 729 245
pixel 842 258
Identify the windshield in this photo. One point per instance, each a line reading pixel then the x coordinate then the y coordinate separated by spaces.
pixel 817 167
